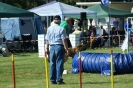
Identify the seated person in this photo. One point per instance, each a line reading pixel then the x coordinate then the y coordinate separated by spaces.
pixel 93 40
pixel 114 38
pixel 105 34
pixel 4 49
pixel 102 37
pixel 84 39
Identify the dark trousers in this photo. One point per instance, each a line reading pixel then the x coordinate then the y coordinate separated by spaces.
pixel 68 43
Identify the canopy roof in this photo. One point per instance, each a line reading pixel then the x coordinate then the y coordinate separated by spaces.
pixel 105 11
pixel 11 11
pixel 58 8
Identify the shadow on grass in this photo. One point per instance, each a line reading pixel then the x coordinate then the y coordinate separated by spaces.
pixel 22 54
pixel 94 82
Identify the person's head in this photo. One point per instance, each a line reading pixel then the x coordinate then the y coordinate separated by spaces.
pixel 57 19
pixel 126 19
pixel 113 28
pixel 76 22
pixel 92 34
pixel 93 28
pixel 67 19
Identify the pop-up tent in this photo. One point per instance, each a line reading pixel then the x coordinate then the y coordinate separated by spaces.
pixel 105 11
pixel 11 11
pixel 58 8
pixel 17 26
pixel 11 27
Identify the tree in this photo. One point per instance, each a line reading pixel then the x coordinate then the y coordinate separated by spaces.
pixel 24 4
pixel 28 4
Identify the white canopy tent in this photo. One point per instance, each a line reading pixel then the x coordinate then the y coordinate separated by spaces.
pixel 57 8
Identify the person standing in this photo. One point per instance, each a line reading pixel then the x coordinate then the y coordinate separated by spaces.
pixel 115 23
pixel 65 25
pixel 127 24
pixel 56 39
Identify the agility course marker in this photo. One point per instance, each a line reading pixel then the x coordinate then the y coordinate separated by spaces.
pixel 46 70
pixel 80 70
pixel 112 75
pixel 13 72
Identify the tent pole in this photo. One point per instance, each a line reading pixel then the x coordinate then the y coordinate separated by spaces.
pixel 95 15
pixel 34 26
pixel 128 36
pixel 109 30
pixel 47 21
pixel 20 27
pixel 62 17
pixel 0 25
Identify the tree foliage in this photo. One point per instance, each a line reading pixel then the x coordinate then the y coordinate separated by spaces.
pixel 28 4
pixel 24 4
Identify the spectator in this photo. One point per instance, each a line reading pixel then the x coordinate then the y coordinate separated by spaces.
pixel 114 38
pixel 76 26
pixel 56 38
pixel 70 25
pixel 115 23
pixel 52 23
pixel 92 40
pixel 127 24
pixel 84 37
pixel 105 35
pixel 65 25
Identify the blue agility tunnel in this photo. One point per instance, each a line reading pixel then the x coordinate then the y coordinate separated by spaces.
pixel 100 63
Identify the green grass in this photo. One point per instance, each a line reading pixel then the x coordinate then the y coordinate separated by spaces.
pixel 30 73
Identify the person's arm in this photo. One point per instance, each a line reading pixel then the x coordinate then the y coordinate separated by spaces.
pixel 65 44
pixel 63 37
pixel 66 33
pixel 125 27
pixel 47 44
pixel 90 38
pixel 66 29
pixel 47 47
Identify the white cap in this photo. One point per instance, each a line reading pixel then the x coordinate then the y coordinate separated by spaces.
pixel 76 20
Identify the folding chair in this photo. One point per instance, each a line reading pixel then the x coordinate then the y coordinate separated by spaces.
pixel 27 44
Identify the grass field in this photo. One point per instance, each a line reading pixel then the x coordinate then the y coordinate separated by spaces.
pixel 30 73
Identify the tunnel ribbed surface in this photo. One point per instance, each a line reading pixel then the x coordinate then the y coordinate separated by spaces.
pixel 100 63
